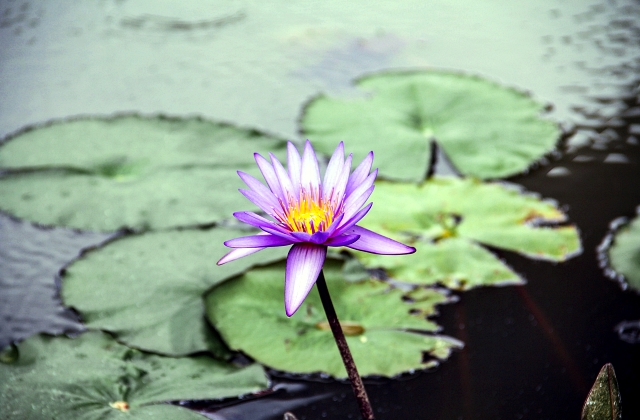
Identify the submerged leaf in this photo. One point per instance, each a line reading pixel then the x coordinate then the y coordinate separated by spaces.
pixel 488 131
pixel 386 335
pixel 92 376
pixel 625 253
pixel 447 219
pixel 143 173
pixel 147 289
pixel 603 402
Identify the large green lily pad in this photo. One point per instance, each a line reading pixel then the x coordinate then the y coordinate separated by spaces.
pixel 447 219
pixel 130 171
pixel 147 289
pixel 624 254
pixel 386 334
pixel 488 131
pixel 93 377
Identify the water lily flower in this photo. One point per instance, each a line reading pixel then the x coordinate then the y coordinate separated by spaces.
pixel 309 213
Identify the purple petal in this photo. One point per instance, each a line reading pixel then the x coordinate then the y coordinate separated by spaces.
pixel 302 236
pixel 252 219
pixel 294 165
pixel 288 190
pixel 377 244
pixel 310 176
pixel 304 263
pixel 355 219
pixel 334 169
pixel 334 225
pixel 356 201
pixel 258 187
pixel 279 231
pixel 319 237
pixel 265 205
pixel 342 240
pixel 258 241
pixel 269 175
pixel 360 189
pixel 234 254
pixel 258 221
pixel 360 173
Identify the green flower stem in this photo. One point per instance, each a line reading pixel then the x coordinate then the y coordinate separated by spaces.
pixel 356 381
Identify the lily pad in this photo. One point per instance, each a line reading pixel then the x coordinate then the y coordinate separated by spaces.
pixel 103 174
pixel 93 377
pixel 457 263
pixel 487 130
pixel 386 335
pixel 624 254
pixel 147 289
pixel 447 219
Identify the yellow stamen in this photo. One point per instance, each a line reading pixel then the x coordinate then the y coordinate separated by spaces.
pixel 310 214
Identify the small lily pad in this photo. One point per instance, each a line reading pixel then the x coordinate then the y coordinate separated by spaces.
pixel 487 130
pixel 387 335
pixel 447 219
pixel 92 377
pixel 624 254
pixel 603 402
pixel 147 289
pixel 103 174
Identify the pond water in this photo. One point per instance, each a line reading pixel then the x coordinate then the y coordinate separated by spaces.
pixel 531 352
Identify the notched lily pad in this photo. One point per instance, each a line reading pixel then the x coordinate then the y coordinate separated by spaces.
pixel 447 220
pixel 147 289
pixel 103 174
pixel 93 377
pixel 487 130
pixel 387 335
pixel 603 402
pixel 624 254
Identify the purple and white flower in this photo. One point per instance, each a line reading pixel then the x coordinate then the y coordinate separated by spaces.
pixel 309 213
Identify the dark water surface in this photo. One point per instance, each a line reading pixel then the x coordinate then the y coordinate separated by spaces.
pixel 531 352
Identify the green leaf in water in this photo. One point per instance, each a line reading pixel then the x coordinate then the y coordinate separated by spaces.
pixel 102 174
pixel 624 254
pixel 147 289
pixel 457 263
pixel 603 402
pixel 447 219
pixel 93 376
pixel 487 130
pixel 386 335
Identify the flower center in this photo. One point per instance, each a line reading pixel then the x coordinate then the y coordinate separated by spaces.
pixel 310 213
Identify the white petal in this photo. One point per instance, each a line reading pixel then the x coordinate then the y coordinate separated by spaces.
pixel 304 263
pixel 294 165
pixel 334 169
pixel 310 176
